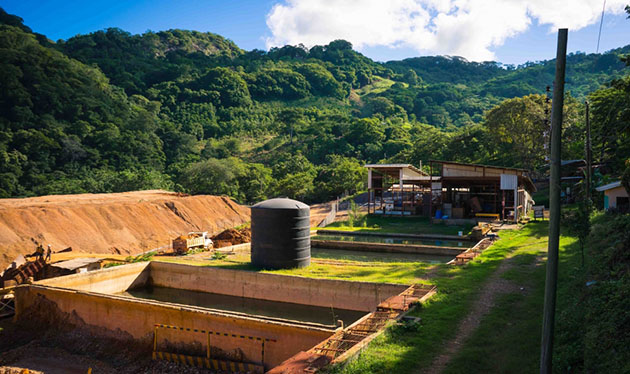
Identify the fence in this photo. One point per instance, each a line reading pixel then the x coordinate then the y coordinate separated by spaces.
pixel 330 217
pixel 208 362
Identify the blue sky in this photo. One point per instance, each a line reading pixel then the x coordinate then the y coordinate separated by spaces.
pixel 247 23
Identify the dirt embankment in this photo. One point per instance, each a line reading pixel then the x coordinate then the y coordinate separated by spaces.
pixel 122 223
pixel 232 237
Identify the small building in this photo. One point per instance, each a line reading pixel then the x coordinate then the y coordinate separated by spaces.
pixel 77 265
pixel 451 190
pixel 615 196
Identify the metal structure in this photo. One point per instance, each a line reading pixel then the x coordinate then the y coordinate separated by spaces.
pixel 373 323
pixel 395 188
pixel 208 362
pixel 281 234
pixel 27 270
pixel 453 189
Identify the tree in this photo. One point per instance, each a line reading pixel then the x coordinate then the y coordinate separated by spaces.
pixel 294 186
pixel 578 222
pixel 411 77
pixel 625 177
pixel 611 123
pixel 214 177
pixel 231 87
pixel 517 127
pixel 341 175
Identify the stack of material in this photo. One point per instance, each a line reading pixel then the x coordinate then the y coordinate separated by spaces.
pixel 479 232
pixel 232 237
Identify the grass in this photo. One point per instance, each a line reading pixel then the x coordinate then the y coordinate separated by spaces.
pixel 507 339
pixel 402 350
pixel 541 197
pixel 378 85
pixel 356 268
pixel 400 225
pixel 381 272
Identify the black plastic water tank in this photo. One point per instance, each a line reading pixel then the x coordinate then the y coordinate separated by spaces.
pixel 281 234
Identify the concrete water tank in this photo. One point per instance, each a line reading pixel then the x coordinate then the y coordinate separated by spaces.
pixel 281 237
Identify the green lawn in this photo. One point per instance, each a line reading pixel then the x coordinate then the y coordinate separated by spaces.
pixel 325 264
pixel 504 341
pixel 508 338
pixel 401 225
pixel 378 85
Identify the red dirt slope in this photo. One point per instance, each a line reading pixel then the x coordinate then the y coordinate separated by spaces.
pixel 125 223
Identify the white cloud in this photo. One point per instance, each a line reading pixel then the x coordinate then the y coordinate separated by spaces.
pixel 468 28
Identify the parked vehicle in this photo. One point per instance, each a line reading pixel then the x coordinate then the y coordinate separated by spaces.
pixel 194 240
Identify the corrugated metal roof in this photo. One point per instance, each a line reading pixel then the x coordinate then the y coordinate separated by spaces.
pixel 609 186
pixel 478 165
pixel 76 263
pixel 396 166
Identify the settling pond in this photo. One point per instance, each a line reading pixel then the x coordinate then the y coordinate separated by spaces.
pixel 395 240
pixel 363 256
pixel 256 307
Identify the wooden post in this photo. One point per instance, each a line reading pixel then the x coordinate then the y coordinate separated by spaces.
pixel 208 350
pixel 155 339
pixel 589 156
pixel 369 186
pixel 430 190
pixel 413 199
pixel 401 175
pixel 516 203
pixel 557 105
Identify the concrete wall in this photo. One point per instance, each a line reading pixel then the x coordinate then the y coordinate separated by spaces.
pixel 89 296
pixel 137 317
pixel 111 280
pixel 384 247
pixel 361 296
pixel 613 194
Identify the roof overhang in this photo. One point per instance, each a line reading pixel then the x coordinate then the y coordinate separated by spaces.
pixel 609 186
pixel 409 171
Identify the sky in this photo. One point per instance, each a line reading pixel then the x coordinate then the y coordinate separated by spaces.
pixel 507 31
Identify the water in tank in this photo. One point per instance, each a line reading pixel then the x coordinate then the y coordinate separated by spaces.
pixel 281 234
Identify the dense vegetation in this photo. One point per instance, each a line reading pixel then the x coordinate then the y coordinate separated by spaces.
pixel 594 302
pixel 191 111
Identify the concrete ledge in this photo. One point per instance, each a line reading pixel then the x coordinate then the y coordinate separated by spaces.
pixel 382 247
pixel 359 296
pixel 139 316
pixel 457 221
pixel 394 235
pixel 235 247
pixel 108 280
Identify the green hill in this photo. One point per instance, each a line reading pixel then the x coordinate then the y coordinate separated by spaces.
pixel 191 111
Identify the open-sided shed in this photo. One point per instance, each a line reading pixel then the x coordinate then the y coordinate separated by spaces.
pixel 450 190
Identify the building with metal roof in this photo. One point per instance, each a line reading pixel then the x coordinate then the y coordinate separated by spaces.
pixel 450 190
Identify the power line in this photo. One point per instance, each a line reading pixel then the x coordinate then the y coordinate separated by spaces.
pixel 601 22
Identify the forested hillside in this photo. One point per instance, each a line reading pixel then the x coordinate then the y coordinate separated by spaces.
pixel 190 111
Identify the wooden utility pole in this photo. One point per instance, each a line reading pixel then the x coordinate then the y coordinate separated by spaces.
pixel 557 105
pixel 589 155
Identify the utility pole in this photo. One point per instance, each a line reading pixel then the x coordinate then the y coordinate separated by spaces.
pixel 589 154
pixel 557 105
